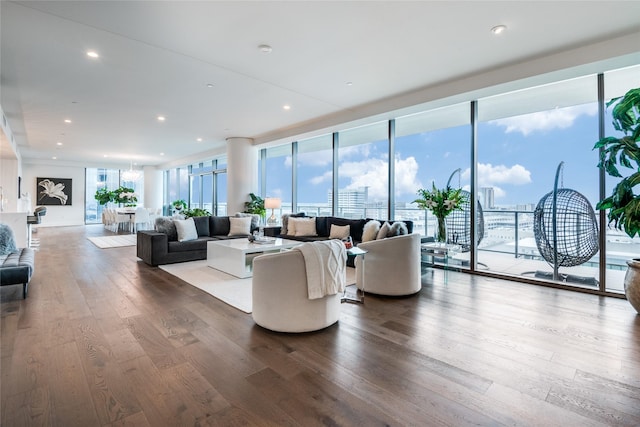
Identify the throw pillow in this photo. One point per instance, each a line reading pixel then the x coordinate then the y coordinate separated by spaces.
pixel 186 229
pixel 285 222
pixel 384 230
pixel 339 231
pixel 239 226
pixel 370 230
pixel 7 240
pixel 397 229
pixel 202 225
pixel 302 226
pixel 255 218
pixel 219 225
pixel 164 224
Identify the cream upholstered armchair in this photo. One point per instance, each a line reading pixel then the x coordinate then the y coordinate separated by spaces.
pixel 280 295
pixel 391 266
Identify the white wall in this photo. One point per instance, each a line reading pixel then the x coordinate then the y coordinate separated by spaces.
pixel 57 215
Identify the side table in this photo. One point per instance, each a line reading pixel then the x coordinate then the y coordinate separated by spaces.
pixel 357 252
pixel 441 251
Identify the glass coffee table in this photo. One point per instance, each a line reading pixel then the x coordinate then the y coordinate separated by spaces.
pixel 235 256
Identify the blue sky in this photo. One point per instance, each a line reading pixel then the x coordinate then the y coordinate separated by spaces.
pixel 517 156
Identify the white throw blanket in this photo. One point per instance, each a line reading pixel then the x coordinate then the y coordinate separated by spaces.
pixel 325 262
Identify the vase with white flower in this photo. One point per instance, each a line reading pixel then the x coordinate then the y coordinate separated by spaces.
pixel 441 202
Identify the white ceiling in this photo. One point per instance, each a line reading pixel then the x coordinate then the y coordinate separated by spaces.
pixel 157 57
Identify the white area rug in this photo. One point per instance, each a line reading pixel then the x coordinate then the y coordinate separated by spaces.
pixel 233 291
pixel 104 242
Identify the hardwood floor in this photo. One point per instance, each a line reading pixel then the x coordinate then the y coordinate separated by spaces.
pixel 105 340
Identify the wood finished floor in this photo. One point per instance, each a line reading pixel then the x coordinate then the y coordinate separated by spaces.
pixel 105 340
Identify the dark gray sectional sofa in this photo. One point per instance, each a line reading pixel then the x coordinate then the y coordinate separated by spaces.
pixel 162 247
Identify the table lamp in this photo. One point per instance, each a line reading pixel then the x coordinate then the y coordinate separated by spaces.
pixel 272 203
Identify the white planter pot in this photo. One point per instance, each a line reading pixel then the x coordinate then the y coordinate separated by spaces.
pixel 632 283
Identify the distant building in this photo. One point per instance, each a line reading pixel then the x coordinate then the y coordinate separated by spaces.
pixel 487 197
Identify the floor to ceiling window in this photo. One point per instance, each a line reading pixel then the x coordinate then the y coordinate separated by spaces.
pixel 315 175
pixel 278 180
pixel 525 140
pixel 363 172
pixel 96 178
pixel 430 148
pixel 620 247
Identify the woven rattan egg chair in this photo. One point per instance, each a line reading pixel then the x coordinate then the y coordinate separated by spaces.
pixel 566 231
pixel 459 221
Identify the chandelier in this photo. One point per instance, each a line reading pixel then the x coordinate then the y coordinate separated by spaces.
pixel 131 175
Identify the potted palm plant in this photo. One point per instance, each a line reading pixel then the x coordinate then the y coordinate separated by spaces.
pixel 624 204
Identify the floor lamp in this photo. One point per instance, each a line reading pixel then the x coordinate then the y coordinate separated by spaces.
pixel 272 203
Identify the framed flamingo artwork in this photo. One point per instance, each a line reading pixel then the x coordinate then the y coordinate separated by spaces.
pixel 54 191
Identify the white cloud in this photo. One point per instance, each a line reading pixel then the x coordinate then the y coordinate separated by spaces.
pixel 321 178
pixel 315 158
pixel 373 173
pixel 491 176
pixel 559 118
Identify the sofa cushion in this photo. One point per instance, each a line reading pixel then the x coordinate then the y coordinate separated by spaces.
pixel 239 226
pixel 165 225
pixel 186 229
pixel 398 228
pixel 219 225
pixel 255 219
pixel 339 231
pixel 202 225
pixel 285 221
pixel 191 245
pixel 356 226
pixel 384 230
pixel 322 226
pixel 302 227
pixel 370 230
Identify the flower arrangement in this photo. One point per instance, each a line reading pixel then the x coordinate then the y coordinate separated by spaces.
pixel 125 196
pixel 441 202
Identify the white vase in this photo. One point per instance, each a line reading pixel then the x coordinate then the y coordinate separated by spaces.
pixel 632 283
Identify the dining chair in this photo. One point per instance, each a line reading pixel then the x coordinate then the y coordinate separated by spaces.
pixel 141 217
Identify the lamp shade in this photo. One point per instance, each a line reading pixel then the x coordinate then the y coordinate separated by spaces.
pixel 272 203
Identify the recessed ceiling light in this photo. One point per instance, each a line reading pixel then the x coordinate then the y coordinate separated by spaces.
pixel 162 154
pixel 54 158
pixel 161 118
pixel 287 107
pixel 58 143
pixel 265 48
pixel 349 83
pixel 499 29
pixel 105 156
pixel 199 139
pixel 92 54
pixel 209 84
pixel 67 120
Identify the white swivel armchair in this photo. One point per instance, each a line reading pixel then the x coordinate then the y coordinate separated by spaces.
pixel 280 295
pixel 391 266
